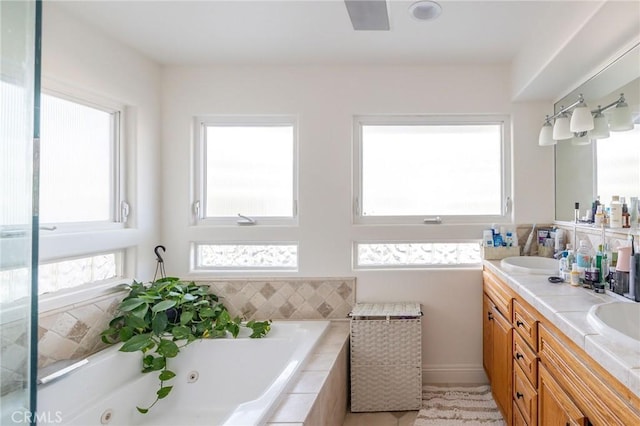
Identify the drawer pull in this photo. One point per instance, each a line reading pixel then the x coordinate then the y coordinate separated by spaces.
pixel 489 316
pixel 519 395
pixel 519 323
pixel 519 355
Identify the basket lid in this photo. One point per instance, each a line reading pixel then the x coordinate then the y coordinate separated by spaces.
pixel 402 309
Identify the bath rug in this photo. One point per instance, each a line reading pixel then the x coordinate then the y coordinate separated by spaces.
pixel 457 406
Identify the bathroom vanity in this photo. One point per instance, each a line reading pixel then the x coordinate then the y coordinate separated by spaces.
pixel 547 365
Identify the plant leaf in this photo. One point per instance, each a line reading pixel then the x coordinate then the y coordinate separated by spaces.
pixel 138 343
pixel 125 333
pixel 135 322
pixel 142 410
pixel 185 317
pixel 141 310
pixel 167 375
pixel 180 332
pixel 158 363
pixel 130 304
pixel 164 391
pixel 159 323
pixel 207 312
pixel 163 306
pixel 168 348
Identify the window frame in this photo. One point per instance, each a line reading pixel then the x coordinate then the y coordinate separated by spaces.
pixel 119 207
pixel 198 196
pixel 506 211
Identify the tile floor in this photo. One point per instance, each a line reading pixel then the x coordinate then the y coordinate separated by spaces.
pixel 393 418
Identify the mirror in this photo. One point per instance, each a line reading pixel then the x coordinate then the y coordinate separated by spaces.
pixel 608 166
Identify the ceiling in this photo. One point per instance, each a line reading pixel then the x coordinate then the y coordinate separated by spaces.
pixel 181 32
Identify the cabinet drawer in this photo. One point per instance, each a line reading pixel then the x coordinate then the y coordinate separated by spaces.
pixel 525 396
pixel 499 294
pixel 526 324
pixel 526 359
pixel 518 419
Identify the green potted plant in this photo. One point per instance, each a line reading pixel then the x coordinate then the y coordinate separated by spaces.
pixel 161 317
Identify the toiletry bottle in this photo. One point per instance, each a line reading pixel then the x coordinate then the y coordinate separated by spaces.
pixel 583 255
pixel 633 211
pixel 599 218
pixel 564 267
pixel 594 208
pixel 575 275
pixel 615 220
pixel 576 212
pixel 626 217
pixel 598 279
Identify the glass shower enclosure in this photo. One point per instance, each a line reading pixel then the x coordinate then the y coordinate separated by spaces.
pixel 19 99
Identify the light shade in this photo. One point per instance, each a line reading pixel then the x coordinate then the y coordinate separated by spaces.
pixel 620 119
pixel 561 129
pixel 546 135
pixel 581 119
pixel 600 127
pixel 581 139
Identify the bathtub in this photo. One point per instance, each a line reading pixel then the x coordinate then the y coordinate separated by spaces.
pixel 233 382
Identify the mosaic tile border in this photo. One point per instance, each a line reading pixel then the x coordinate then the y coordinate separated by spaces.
pixel 304 298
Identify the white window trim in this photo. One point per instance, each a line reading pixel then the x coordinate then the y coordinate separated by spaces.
pixel 118 179
pixel 506 196
pixel 198 196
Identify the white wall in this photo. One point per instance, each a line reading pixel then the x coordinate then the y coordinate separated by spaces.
pixel 77 58
pixel 325 100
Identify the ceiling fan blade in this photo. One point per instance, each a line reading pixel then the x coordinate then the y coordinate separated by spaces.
pixel 368 15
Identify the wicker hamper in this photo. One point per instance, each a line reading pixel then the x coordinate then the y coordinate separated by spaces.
pixel 386 357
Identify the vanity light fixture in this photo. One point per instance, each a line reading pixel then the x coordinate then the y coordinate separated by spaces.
pixel 621 119
pixel 585 125
pixel 600 125
pixel 562 128
pixel 546 134
pixel 581 118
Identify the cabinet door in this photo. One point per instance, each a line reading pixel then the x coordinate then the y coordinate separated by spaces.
pixel 487 340
pixel 501 366
pixel 555 408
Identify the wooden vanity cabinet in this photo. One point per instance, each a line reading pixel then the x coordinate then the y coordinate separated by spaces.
pixel 552 381
pixel 497 335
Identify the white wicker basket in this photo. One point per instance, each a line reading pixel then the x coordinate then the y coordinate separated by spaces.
pixel 386 357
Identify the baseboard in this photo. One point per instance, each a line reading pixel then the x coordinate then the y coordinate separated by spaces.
pixel 454 373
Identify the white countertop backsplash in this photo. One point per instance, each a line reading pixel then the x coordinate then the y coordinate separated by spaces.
pixel 566 307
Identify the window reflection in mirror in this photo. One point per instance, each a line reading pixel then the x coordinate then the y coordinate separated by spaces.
pixel 608 166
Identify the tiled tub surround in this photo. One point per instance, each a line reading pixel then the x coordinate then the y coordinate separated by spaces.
pixel 566 307
pixel 319 395
pixel 73 332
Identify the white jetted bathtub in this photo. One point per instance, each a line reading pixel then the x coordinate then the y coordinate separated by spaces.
pixel 234 382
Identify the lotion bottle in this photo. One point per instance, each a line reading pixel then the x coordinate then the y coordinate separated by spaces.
pixel 616 212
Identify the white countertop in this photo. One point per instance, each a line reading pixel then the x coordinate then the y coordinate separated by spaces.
pixel 566 307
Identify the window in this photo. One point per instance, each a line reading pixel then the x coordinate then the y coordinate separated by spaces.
pixel 409 169
pixel 246 257
pixel 620 148
pixel 80 178
pixel 247 166
pixel 62 274
pixel 415 255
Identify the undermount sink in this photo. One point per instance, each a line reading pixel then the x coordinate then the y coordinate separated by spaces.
pixel 530 265
pixel 619 319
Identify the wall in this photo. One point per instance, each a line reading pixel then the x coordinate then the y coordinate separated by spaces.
pixel 325 100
